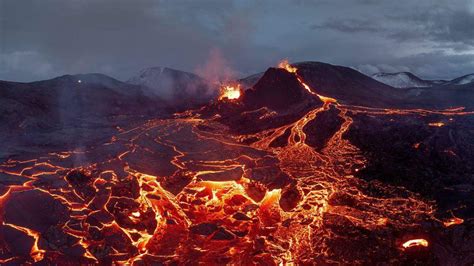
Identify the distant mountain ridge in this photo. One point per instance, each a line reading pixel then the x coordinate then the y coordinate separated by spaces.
pixel 347 85
pixel 178 87
pixel 402 80
pixel 69 105
pixel 466 79
pixel 71 110
pixel 409 80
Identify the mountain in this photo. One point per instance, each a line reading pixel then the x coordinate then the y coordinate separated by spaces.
pixel 348 85
pixel 409 80
pixel 251 80
pixel 71 110
pixel 84 94
pixel 277 89
pixel 466 79
pixel 277 98
pixel 442 97
pixel 71 106
pixel 402 80
pixel 178 87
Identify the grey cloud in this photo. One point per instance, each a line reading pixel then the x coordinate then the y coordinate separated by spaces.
pixel 24 63
pixel 426 65
pixel 448 24
pixel 118 38
pixel 349 26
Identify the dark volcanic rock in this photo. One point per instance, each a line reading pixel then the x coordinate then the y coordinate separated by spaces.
pixel 319 130
pixel 177 181
pixel 203 229
pixel 71 111
pixel 15 242
pixel 434 161
pixel 8 179
pixel 223 234
pixel 127 187
pixel 232 174
pixel 179 88
pixel 122 208
pixel 278 98
pixel 348 85
pixel 55 239
pixel 35 210
pixel 240 216
pixel 82 183
pixel 268 173
pixel 277 89
pixel 155 163
pixel 289 198
pixel 281 140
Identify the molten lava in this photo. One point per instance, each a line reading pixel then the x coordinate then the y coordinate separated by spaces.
pixel 285 65
pixel 230 92
pixel 415 243
pixel 436 124
pixel 453 221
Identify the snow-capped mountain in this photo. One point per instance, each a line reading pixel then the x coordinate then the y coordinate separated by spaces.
pixel 409 80
pixel 403 80
pixel 466 79
pixel 173 85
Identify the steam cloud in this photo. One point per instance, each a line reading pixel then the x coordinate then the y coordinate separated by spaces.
pixel 216 69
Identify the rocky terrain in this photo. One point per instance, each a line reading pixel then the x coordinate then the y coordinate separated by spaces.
pixel 308 163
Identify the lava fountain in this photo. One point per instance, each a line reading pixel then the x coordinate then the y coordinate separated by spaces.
pixel 230 92
pixel 284 64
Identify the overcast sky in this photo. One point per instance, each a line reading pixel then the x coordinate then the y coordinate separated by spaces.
pixel 46 38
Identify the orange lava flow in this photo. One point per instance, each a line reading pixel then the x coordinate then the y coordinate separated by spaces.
pixel 436 124
pixel 415 243
pixel 286 65
pixel 36 253
pixel 453 221
pixel 230 92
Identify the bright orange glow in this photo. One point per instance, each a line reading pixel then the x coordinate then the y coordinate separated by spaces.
pixel 453 221
pixel 271 197
pixel 285 65
pixel 436 124
pixel 327 99
pixel 230 92
pixel 415 243
pixel 36 253
pixel 382 221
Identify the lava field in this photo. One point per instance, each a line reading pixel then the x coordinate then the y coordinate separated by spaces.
pixel 275 174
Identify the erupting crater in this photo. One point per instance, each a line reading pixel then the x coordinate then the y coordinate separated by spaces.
pixel 230 92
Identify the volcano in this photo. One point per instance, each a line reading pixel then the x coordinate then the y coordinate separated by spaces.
pixel 277 89
pixel 310 164
pixel 276 99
